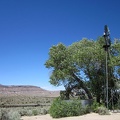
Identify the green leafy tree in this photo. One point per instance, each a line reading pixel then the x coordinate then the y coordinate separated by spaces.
pixel 115 60
pixel 65 71
pixel 90 57
pixel 85 58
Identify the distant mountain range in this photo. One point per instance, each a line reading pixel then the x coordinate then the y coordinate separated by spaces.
pixel 27 90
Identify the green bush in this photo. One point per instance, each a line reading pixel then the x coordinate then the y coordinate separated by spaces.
pixel 99 108
pixel 95 106
pixel 102 111
pixel 35 112
pixel 61 108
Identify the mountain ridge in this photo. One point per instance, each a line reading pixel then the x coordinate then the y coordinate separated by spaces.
pixel 26 90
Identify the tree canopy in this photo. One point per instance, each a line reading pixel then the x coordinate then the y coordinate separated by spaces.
pixel 82 65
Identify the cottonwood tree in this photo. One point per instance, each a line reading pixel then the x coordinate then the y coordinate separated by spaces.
pixel 83 59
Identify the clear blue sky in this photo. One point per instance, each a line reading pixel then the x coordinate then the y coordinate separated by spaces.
pixel 28 28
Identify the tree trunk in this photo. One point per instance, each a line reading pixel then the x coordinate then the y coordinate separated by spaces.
pixel 83 86
pixel 98 97
pixel 68 91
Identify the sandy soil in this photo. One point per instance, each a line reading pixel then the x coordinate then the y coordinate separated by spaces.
pixel 92 116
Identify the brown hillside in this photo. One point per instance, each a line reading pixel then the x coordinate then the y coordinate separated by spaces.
pixel 26 90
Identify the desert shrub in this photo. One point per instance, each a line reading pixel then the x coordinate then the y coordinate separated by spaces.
pixel 14 115
pixel 35 112
pixel 44 111
pixel 0 113
pixel 61 108
pixel 95 106
pixel 9 115
pixel 87 109
pixel 23 112
pixel 99 108
pixel 102 111
pixel 29 113
pixel 4 115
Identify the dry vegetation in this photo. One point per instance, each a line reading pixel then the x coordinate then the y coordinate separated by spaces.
pixel 24 101
pixel 25 95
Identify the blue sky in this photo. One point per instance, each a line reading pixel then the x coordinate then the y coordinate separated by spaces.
pixel 28 28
